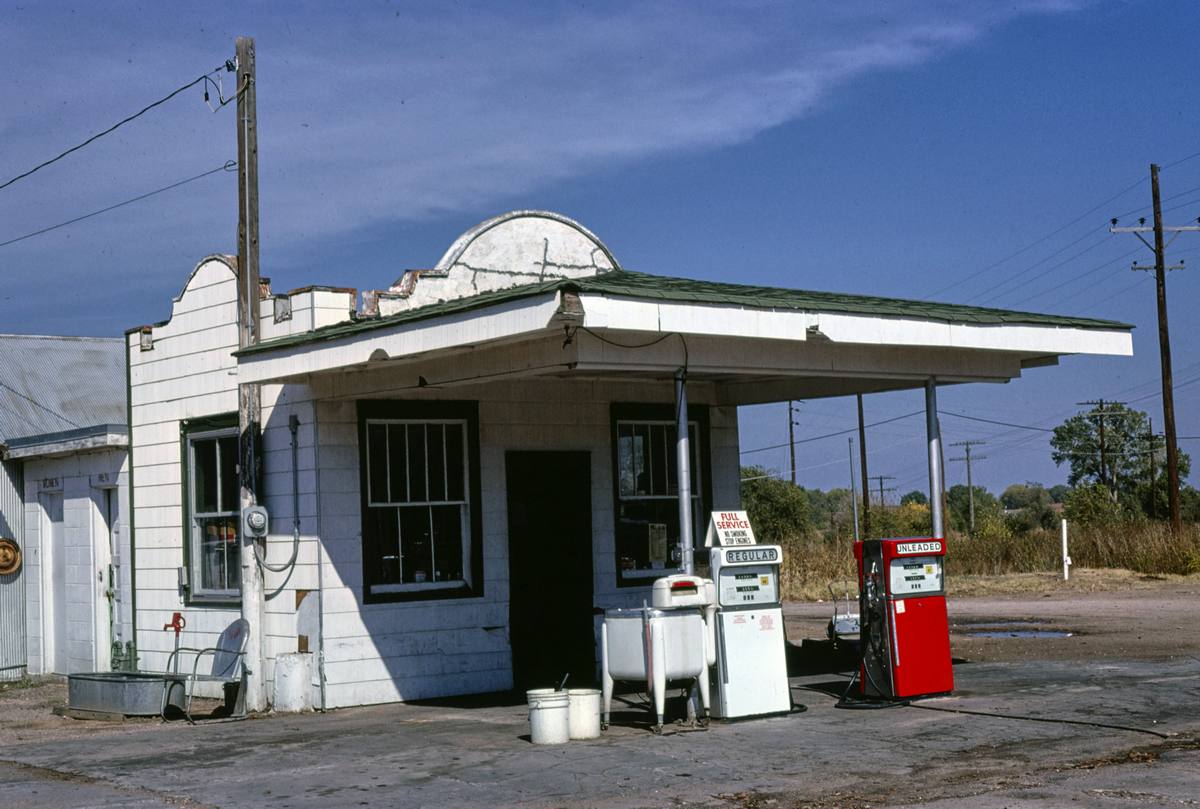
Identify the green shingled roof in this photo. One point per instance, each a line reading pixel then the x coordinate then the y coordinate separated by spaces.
pixel 628 284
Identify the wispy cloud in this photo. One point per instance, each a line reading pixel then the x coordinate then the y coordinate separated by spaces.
pixel 373 113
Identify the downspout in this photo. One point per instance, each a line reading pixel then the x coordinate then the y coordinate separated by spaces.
pixel 683 457
pixel 132 658
pixel 320 563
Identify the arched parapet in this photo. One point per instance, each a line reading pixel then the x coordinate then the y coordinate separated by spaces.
pixel 513 249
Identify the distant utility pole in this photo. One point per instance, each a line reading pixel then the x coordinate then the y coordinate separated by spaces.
pixel 966 445
pixel 862 462
pixel 881 479
pixel 1099 412
pixel 1151 443
pixel 792 409
pixel 1164 335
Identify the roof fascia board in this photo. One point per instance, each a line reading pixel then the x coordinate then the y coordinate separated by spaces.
pixel 1017 337
pixel 636 314
pixel 69 446
pixel 457 330
pixel 619 312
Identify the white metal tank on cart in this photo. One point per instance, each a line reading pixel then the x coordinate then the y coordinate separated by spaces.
pixel 653 645
pixel 751 672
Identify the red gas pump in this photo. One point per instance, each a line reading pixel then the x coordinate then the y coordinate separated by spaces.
pixel 904 634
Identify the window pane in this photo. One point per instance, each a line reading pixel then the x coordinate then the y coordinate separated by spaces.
pixel 663 453
pixel 218 562
pixel 455 472
pixel 377 463
pixel 447 543
pixel 437 462
pixel 641 526
pixel 417 549
pixel 230 489
pixel 416 463
pixel 625 460
pixel 397 463
pixel 204 454
pixel 383 544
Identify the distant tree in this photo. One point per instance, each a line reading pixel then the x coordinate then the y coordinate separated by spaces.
pixel 1027 506
pixel 915 496
pixel 777 509
pixel 1092 504
pixel 1129 459
pixel 1059 493
pixel 958 505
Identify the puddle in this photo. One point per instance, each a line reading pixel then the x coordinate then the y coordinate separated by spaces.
pixel 1018 628
pixel 1020 633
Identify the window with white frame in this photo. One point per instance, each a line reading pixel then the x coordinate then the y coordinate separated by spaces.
pixel 418 529
pixel 646 472
pixel 212 512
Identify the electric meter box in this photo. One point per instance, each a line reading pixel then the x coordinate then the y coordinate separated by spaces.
pixel 750 677
pixel 904 631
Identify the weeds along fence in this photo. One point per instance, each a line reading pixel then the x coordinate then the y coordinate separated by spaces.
pixel 812 562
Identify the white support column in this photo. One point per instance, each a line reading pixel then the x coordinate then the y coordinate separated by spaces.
pixel 933 431
pixel 683 458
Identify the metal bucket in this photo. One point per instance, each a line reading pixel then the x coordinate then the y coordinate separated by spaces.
pixel 132 693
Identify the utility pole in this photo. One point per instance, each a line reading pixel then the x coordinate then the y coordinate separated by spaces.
pixel 966 445
pixel 249 404
pixel 881 479
pixel 1151 442
pixel 1099 411
pixel 792 436
pixel 862 462
pixel 1164 334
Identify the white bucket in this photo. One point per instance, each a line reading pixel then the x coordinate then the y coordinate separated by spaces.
pixel 584 713
pixel 549 716
pixel 293 678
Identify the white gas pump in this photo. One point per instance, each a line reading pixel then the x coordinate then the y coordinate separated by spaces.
pixel 750 677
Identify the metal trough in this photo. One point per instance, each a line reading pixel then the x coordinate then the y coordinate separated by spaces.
pixel 132 693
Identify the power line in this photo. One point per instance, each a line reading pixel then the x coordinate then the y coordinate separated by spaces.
pixel 228 66
pixel 993 421
pixel 230 165
pixel 38 404
pixel 831 435
pixel 1034 244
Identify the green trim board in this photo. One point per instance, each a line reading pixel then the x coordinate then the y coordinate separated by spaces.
pixel 642 286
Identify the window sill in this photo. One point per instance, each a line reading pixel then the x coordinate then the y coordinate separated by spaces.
pixel 426 591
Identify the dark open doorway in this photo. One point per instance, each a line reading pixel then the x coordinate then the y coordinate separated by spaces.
pixel 550 568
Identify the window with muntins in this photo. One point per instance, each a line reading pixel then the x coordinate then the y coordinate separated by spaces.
pixel 419 537
pixel 646 483
pixel 212 510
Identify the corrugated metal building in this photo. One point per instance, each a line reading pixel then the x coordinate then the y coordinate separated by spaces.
pixel 63 439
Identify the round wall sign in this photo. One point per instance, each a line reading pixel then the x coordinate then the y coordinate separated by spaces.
pixel 10 556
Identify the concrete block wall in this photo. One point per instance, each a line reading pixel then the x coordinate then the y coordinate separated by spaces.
pixel 412 650
pixel 79 480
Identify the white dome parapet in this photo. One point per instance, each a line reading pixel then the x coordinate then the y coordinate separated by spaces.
pixel 513 249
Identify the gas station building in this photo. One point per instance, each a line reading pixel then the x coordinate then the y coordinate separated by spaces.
pixel 463 473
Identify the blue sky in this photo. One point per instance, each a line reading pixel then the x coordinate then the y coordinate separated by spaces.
pixel 893 149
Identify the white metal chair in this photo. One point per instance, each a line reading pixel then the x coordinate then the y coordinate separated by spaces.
pixel 228 668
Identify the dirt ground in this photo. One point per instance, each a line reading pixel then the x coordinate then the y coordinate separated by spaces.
pixel 1122 651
